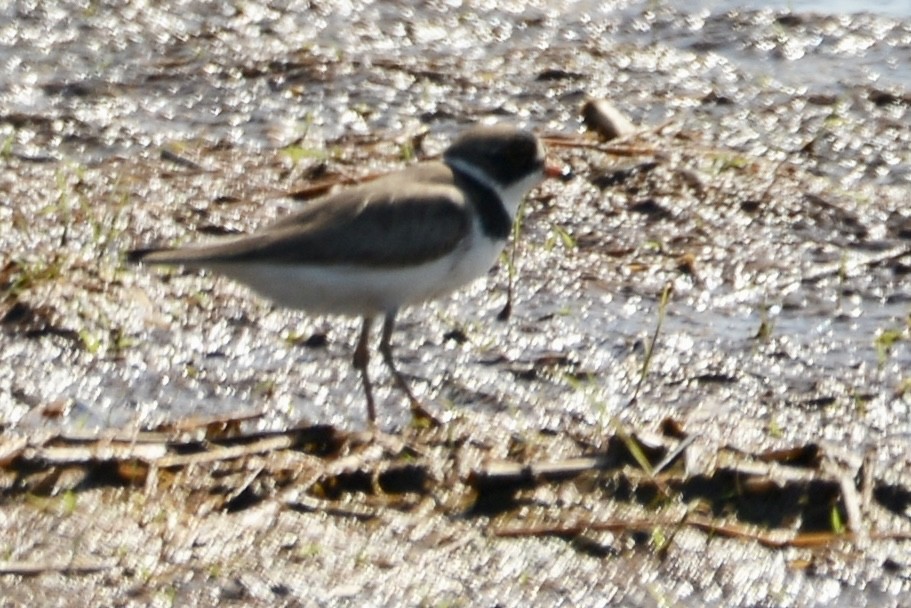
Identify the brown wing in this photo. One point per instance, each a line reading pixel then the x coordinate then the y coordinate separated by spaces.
pixel 405 218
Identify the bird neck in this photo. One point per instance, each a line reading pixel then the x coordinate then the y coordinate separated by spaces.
pixel 485 197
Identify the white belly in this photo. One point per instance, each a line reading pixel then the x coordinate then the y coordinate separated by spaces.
pixel 366 290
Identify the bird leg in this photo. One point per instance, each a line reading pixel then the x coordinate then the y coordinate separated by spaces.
pixel 418 411
pixel 360 361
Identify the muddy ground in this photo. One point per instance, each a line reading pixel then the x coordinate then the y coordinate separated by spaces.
pixel 701 397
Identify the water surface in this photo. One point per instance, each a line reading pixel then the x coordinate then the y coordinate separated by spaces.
pixel 896 8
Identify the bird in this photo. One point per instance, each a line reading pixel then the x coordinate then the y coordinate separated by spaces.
pixel 402 239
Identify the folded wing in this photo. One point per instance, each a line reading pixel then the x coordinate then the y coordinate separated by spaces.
pixel 407 218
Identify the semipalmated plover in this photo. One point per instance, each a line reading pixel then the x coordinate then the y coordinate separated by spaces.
pixel 404 238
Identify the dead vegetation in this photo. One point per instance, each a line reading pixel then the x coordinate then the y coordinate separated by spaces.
pixel 803 497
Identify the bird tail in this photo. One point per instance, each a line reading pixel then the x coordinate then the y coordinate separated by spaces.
pixel 156 255
pixel 136 256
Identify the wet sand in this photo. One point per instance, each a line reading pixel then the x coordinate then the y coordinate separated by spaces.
pixel 768 189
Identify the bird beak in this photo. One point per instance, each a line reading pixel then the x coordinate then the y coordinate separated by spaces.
pixel 561 172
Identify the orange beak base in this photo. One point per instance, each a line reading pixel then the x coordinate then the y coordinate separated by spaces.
pixel 561 172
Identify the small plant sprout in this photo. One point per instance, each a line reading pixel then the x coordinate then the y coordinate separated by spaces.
pixel 885 341
pixel 407 152
pixel 903 390
pixel 659 539
pixel 727 162
pixel 766 325
pixel 633 446
pixel 837 521
pixel 297 153
pixel 774 429
pixel 6 147
pixel 558 233
pixel 69 501
pixel 650 349
pixel 509 259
